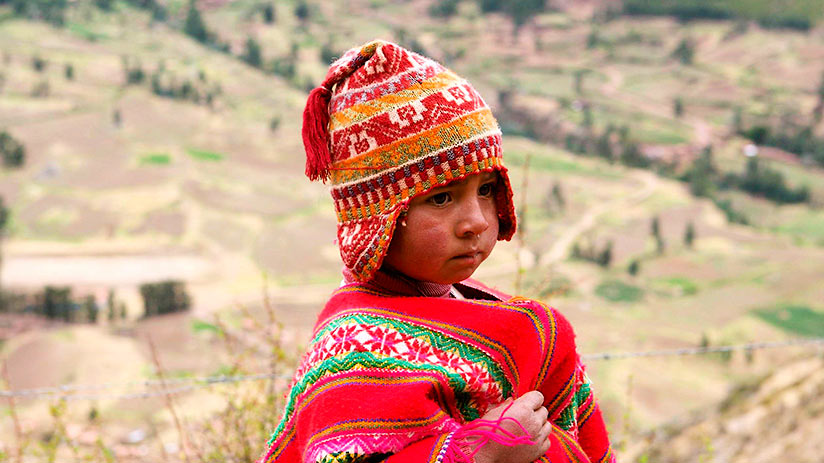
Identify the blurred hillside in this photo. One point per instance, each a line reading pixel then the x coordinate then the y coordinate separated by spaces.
pixel 668 160
pixel 784 410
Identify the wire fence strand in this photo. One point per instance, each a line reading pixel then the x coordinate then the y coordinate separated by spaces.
pixel 705 349
pixel 74 392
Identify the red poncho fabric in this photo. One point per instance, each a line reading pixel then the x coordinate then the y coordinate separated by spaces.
pixel 389 378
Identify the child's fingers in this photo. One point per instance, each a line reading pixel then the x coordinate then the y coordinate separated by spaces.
pixel 545 446
pixel 543 414
pixel 545 431
pixel 532 399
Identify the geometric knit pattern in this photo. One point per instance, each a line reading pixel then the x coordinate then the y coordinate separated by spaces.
pixel 400 125
pixel 389 378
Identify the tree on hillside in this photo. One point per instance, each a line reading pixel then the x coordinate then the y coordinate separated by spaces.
pixel 302 10
pixel 578 80
pixel 593 39
pixel 53 11
pixel 133 70
pixel 489 6
pixel 56 302
pixel 631 154
pixel 158 11
pixel 634 267
pixel 655 228
pixel 285 67
pixel 558 194
pixel 274 123
pixel 737 121
pixel 90 309
pixel 603 145
pixel 818 112
pixel 702 174
pixel 327 53
pixel 269 13
pixel 761 180
pixel 252 54
pixel 678 107
pixel 38 63
pixel 164 297
pixel 11 150
pixel 4 219
pixel 194 26
pixel 684 52
pixel 111 307
pixel 605 256
pixel 519 10
pixel 105 5
pixel 444 8
pixel 689 235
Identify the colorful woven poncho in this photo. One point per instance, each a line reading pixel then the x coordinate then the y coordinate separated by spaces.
pixel 393 378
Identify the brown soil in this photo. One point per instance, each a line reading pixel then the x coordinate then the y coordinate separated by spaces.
pixel 166 222
pixel 295 247
pixel 85 221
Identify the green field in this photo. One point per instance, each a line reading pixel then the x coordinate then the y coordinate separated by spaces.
pixel 798 320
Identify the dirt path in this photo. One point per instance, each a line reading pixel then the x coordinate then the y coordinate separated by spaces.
pixel 560 248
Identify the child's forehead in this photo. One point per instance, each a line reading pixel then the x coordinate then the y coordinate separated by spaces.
pixel 484 176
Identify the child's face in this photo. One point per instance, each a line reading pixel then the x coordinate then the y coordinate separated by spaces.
pixel 449 231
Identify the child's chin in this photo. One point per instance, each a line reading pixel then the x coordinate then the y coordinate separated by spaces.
pixel 458 277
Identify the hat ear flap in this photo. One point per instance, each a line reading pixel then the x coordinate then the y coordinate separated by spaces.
pixel 316 134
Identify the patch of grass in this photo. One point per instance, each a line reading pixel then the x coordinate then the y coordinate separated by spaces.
pixel 56 218
pixel 200 326
pixel 644 127
pixel 660 135
pixel 86 33
pixel 675 286
pixel 797 319
pixel 546 163
pixel 203 155
pixel 158 159
pixel 810 226
pixel 618 291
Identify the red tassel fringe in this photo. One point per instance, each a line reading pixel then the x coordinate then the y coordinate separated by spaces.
pixel 316 134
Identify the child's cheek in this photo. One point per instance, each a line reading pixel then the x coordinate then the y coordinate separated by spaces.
pixel 432 239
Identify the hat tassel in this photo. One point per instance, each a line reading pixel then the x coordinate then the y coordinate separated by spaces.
pixel 316 134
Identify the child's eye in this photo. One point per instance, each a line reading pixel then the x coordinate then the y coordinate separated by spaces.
pixel 439 199
pixel 487 189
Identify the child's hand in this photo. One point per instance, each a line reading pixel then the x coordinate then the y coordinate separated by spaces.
pixel 528 411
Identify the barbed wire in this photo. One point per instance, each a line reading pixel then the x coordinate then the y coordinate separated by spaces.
pixel 74 392
pixel 704 349
pixel 70 391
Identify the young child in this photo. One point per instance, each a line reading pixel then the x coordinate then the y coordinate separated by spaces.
pixel 411 361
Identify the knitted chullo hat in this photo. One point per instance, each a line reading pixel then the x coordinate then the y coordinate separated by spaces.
pixel 387 125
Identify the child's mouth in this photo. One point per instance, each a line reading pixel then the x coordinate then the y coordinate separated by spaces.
pixel 468 257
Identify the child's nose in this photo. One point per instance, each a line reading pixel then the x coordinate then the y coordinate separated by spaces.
pixel 473 220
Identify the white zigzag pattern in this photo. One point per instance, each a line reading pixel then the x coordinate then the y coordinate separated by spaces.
pixel 389 441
